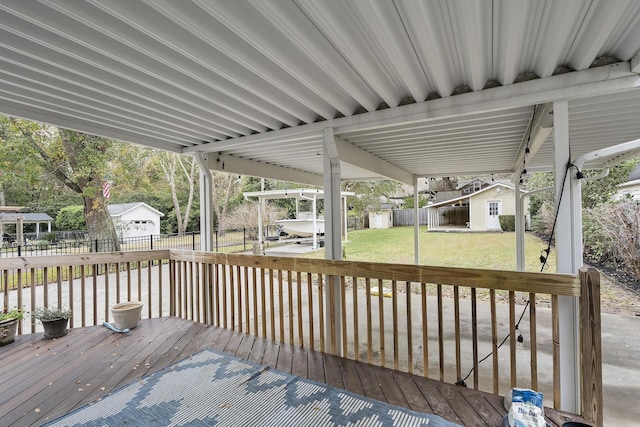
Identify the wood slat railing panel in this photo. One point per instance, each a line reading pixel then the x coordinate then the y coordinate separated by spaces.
pixel 291 300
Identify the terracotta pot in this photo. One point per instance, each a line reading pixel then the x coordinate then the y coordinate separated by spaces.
pixel 126 315
pixel 55 328
pixel 8 331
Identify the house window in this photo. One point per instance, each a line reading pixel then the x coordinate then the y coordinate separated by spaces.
pixel 493 208
pixel 477 186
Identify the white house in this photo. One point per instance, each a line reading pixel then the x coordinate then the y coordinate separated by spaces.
pixel 135 219
pixel 477 211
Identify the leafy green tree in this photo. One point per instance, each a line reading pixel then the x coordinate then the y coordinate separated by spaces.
pixel 422 201
pixel 369 195
pixel 602 190
pixel 594 192
pixel 79 161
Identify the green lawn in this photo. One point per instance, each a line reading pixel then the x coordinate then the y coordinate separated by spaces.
pixel 471 250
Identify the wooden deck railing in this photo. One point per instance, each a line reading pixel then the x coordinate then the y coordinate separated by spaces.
pixel 450 324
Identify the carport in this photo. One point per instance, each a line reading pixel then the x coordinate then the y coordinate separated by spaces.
pixel 319 92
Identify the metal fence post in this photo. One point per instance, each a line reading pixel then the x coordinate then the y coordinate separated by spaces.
pixel 151 240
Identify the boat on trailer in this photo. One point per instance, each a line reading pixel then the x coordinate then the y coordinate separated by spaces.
pixel 305 225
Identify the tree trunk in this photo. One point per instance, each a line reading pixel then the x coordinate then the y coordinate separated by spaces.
pixel 102 232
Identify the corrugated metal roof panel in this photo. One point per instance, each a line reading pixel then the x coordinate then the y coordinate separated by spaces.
pixel 211 75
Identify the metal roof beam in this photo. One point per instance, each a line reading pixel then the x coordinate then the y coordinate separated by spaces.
pixel 236 165
pixel 578 84
pixel 539 129
pixel 635 63
pixel 355 156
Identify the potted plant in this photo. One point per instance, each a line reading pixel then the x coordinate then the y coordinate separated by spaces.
pixel 54 321
pixel 9 325
pixel 126 315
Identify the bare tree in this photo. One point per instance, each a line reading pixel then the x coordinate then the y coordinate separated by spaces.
pixel 614 234
pixel 223 187
pixel 246 216
pixel 171 164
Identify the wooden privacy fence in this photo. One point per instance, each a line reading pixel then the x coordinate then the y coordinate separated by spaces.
pixel 451 324
pixel 405 217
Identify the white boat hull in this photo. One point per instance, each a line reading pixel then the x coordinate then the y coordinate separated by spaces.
pixel 301 227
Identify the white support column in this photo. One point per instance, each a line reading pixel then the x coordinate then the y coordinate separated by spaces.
pixel 345 206
pixel 333 240
pixel 520 228
pixel 569 258
pixel 416 221
pixel 314 209
pixel 261 220
pixel 206 205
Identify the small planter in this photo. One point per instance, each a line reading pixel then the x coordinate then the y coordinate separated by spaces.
pixel 126 315
pixel 8 331
pixel 55 328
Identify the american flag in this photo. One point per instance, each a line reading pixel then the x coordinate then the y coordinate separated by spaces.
pixel 106 189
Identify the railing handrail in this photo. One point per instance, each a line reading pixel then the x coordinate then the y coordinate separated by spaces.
pixel 83 259
pixel 545 283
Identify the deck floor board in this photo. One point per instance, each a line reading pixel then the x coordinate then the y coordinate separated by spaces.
pixel 47 379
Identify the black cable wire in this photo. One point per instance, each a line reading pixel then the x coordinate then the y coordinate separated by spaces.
pixel 543 259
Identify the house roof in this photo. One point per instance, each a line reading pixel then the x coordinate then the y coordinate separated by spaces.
pixel 26 217
pixel 408 88
pixel 121 209
pixel 469 196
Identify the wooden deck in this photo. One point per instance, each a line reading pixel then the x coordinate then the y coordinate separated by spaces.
pixel 42 379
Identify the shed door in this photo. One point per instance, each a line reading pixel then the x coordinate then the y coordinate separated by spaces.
pixel 494 208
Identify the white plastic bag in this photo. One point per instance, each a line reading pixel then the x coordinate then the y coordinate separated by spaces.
pixel 524 414
pixel 525 408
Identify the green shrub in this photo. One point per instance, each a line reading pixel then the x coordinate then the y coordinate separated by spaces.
pixel 507 222
pixel 71 218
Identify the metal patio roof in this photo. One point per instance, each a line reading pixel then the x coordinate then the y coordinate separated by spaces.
pixel 410 87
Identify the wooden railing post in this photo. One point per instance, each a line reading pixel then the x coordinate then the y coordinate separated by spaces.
pixel 590 332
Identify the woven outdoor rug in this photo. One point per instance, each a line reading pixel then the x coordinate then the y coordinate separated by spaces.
pixel 214 389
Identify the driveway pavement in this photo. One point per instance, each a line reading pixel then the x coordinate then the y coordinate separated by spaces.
pixel 621 370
